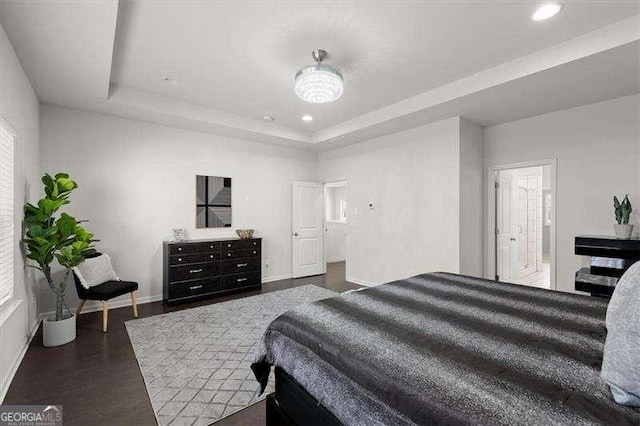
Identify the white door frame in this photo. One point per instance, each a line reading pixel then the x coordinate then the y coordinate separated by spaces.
pixel 490 261
pixel 330 184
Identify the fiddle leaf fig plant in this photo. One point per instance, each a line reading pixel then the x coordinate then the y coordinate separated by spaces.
pixel 51 237
pixel 623 210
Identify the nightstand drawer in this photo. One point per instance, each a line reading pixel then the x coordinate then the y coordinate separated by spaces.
pixel 241 280
pixel 193 271
pixel 183 259
pixel 242 265
pixel 194 288
pixel 194 248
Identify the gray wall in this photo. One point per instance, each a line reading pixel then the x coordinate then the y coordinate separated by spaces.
pixel 597 147
pixel 19 106
pixel 137 183
pixel 414 180
pixel 471 211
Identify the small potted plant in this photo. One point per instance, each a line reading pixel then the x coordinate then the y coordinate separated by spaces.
pixel 623 211
pixel 51 237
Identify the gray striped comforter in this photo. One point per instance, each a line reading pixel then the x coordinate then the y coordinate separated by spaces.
pixel 448 349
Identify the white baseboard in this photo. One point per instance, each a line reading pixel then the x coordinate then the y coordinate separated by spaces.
pixel 276 278
pixel 18 361
pixel 360 282
pixel 94 306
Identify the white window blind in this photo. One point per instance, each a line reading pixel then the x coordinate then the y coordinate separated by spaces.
pixel 7 242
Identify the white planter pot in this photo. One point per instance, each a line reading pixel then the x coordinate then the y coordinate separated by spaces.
pixel 623 232
pixel 56 333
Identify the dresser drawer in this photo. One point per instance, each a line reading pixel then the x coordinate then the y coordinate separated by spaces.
pixel 241 280
pixel 242 265
pixel 194 288
pixel 240 244
pixel 193 248
pixel 183 259
pixel 237 254
pixel 193 271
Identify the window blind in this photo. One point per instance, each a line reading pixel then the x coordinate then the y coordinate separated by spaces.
pixel 7 236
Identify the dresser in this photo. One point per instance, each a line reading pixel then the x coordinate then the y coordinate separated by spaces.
pixel 203 268
pixel 610 258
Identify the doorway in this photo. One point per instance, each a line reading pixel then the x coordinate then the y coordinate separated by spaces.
pixel 524 223
pixel 335 225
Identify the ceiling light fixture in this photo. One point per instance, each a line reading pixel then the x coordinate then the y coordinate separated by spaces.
pixel 307 117
pixel 546 11
pixel 319 83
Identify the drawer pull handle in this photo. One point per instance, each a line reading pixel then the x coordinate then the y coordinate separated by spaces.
pixel 211 246
pixel 211 256
pixel 193 271
pixel 179 259
pixel 195 287
pixel 240 265
pixel 229 254
pixel 228 245
pixel 254 252
pixel 179 248
pixel 241 279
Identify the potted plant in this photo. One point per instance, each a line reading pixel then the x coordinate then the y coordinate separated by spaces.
pixel 51 237
pixel 623 211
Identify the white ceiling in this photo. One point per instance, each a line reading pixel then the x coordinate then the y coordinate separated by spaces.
pixel 607 75
pixel 242 58
pixel 404 63
pixel 65 47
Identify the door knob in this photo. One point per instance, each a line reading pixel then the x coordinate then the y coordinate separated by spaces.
pixel 295 234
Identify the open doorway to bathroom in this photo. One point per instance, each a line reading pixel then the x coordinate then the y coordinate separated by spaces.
pixel 524 225
pixel 335 226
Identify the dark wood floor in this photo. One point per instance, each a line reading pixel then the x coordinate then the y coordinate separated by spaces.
pixel 96 377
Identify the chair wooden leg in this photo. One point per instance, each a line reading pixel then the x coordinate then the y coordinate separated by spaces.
pixel 105 316
pixel 80 306
pixel 134 304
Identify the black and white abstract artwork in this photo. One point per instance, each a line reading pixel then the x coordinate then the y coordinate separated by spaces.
pixel 213 202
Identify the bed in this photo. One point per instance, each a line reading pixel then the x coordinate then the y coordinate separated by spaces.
pixel 442 348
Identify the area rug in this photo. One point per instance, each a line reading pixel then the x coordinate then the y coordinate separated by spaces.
pixel 196 363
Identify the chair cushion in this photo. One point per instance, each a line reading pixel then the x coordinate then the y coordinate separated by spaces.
pixel 94 271
pixel 111 289
pixel 622 349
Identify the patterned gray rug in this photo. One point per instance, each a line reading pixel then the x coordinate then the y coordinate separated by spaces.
pixel 196 363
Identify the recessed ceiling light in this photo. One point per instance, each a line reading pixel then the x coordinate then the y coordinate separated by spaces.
pixel 268 118
pixel 546 11
pixel 170 81
pixel 307 117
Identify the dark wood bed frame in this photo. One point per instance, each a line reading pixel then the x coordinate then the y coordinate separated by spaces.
pixel 291 404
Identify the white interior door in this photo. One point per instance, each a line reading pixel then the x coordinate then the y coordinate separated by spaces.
pixel 307 229
pixel 504 225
